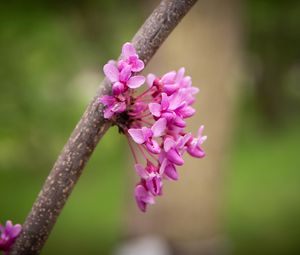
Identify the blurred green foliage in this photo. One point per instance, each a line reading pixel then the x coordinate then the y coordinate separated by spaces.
pixel 272 40
pixel 262 200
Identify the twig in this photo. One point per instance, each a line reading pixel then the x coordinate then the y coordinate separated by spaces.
pixel 91 127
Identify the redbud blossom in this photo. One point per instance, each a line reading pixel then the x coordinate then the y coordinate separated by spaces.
pixel 153 121
pixel 8 235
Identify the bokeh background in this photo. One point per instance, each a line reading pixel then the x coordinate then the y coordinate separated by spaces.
pixel 51 54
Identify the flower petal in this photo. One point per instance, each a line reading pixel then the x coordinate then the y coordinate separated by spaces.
pixel 125 74
pixel 137 66
pixel 136 81
pixel 153 146
pixel 111 71
pixel 180 74
pixel 181 142
pixel 107 100
pixel 150 79
pixel 147 133
pixel 118 88
pixel 168 144
pixel 164 101
pixel 128 50
pixel 155 109
pixel 108 113
pixel 196 151
pixel 137 135
pixel 187 111
pixel 169 77
pixel 16 230
pixel 179 122
pixel 119 107
pixel 159 127
pixel 143 197
pixel 170 171
pixel 154 185
pixel 175 157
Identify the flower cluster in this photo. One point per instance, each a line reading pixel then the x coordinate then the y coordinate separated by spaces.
pixel 8 235
pixel 153 121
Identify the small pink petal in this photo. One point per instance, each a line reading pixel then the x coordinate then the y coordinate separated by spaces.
pixel 108 113
pixel 170 171
pixel 138 66
pixel 169 116
pixel 179 122
pixel 194 90
pixel 150 79
pixel 196 152
pixel 125 73
pixel 200 130
pixel 119 107
pixel 159 127
pixel 163 166
pixel 154 185
pixel 170 89
pixel 136 81
pixel 153 147
pixel 155 109
pixel 164 101
pixel 143 197
pixel 128 50
pixel 181 142
pixel 186 82
pixel 111 72
pixel 16 230
pixel 177 100
pixel 169 77
pixel 118 88
pixel 168 144
pixel 187 112
pixel 180 74
pixel 107 100
pixel 147 133
pixel 137 135
pixel 174 157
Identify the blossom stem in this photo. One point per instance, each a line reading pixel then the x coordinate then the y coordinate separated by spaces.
pixel 131 148
pixel 143 94
pixel 140 147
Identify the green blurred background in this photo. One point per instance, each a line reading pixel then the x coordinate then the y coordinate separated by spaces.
pixel 51 53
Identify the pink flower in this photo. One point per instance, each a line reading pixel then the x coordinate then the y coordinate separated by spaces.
pixel 170 82
pixel 146 135
pixel 152 177
pixel 143 197
pixel 175 148
pixel 169 170
pixel 153 121
pixel 113 105
pixel 194 145
pixel 122 77
pixel 173 108
pixel 129 57
pixel 9 234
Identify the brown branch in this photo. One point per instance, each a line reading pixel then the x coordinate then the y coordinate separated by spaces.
pixel 91 127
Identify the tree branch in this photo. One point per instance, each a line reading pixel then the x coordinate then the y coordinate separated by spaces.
pixel 89 130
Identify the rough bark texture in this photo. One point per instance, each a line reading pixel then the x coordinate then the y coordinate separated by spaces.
pixel 91 127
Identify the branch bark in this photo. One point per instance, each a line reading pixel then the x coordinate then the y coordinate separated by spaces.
pixel 89 130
